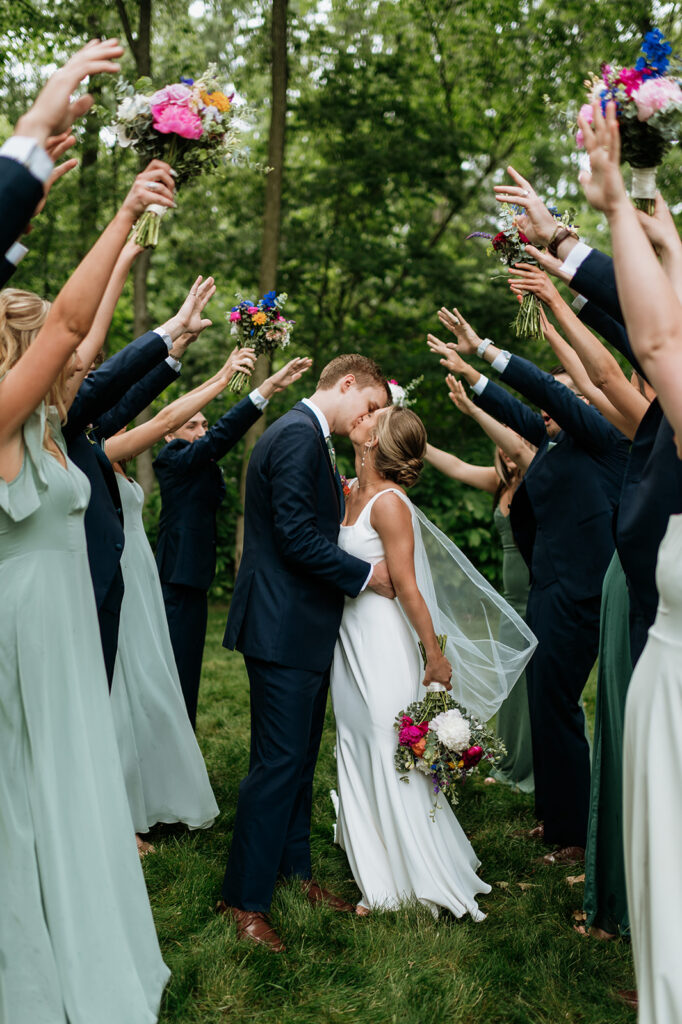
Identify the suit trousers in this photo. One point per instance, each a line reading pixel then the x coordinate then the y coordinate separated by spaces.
pixel 109 615
pixel 272 827
pixel 187 615
pixel 568 641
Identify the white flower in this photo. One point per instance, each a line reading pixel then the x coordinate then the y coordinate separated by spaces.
pixel 123 139
pixel 397 393
pixel 132 106
pixel 452 729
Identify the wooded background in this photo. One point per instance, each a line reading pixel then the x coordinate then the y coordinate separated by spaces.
pixel 386 123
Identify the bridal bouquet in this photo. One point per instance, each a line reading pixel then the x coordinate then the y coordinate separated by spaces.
pixel 260 326
pixel 508 247
pixel 404 396
pixel 438 738
pixel 649 109
pixel 191 124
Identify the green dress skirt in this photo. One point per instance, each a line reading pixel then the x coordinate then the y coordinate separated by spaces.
pixel 513 719
pixel 605 898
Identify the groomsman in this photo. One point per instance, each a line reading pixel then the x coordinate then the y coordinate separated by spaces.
pixel 561 517
pixel 192 491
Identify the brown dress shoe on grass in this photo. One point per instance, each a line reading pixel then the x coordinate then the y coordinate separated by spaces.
pixel 253 925
pixel 566 855
pixel 628 996
pixel 316 894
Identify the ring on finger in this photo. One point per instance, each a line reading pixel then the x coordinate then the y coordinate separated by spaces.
pixel 154 186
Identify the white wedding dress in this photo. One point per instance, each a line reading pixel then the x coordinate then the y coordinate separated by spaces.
pixel 397 849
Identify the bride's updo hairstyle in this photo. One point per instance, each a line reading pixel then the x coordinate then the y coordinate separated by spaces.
pixel 401 446
pixel 22 314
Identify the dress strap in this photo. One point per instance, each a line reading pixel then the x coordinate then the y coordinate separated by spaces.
pixel 388 490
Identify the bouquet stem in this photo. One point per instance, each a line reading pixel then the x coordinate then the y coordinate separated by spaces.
pixel 644 189
pixel 237 382
pixel 527 323
pixel 146 231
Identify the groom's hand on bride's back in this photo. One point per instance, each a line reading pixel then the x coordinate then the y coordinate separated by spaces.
pixel 380 581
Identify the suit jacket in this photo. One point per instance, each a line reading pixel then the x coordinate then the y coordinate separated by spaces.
pixel 192 490
pixel 561 513
pixel 99 392
pixel 20 193
pixel 289 593
pixel 6 270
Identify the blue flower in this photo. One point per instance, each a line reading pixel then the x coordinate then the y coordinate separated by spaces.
pixel 186 81
pixel 270 300
pixel 656 53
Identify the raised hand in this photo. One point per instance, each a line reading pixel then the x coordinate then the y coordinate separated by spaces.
pixel 189 314
pixel 240 360
pixel 53 111
pixel 549 263
pixel 525 278
pixel 451 358
pixel 537 223
pixel 458 395
pixel 154 185
pixel 603 184
pixel 467 339
pixel 55 147
pixel 660 228
pixel 293 370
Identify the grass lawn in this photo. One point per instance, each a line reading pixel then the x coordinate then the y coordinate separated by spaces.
pixel 523 965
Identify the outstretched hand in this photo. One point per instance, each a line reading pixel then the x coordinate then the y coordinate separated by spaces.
pixel 189 315
pixel 525 278
pixel 660 228
pixel 240 360
pixel 55 147
pixel 154 185
pixel 537 223
pixel 53 111
pixel 293 371
pixel 603 184
pixel 458 395
pixel 550 264
pixel 451 359
pixel 467 339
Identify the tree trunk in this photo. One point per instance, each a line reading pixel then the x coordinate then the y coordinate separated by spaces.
pixel 272 219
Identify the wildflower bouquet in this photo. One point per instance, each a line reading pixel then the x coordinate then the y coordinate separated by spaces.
pixel 191 124
pixel 649 110
pixel 437 738
pixel 261 326
pixel 508 246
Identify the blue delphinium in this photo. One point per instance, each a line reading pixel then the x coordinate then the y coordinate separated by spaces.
pixel 186 81
pixel 656 53
pixel 270 300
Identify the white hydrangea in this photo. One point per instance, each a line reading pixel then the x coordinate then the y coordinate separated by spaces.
pixel 452 729
pixel 397 393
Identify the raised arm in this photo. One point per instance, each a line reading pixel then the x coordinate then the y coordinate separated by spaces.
pixel 392 519
pixel 653 314
pixel 483 478
pixel 508 440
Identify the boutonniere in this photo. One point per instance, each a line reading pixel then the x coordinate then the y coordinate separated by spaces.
pixel 345 485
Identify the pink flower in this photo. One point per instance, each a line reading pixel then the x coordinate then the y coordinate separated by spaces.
pixel 411 734
pixel 235 315
pixel 630 79
pixel 177 120
pixel 252 309
pixel 472 756
pixel 394 381
pixel 586 114
pixel 656 94
pixel 177 94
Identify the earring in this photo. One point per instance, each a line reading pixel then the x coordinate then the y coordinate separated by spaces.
pixel 364 455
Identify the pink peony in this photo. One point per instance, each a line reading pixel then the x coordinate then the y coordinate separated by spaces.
pixel 586 114
pixel 656 94
pixel 410 734
pixel 630 79
pixel 175 120
pixel 472 756
pixel 252 309
pixel 177 94
pixel 235 315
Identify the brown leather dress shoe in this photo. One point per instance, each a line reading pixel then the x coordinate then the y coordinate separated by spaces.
pixel 253 925
pixel 566 855
pixel 316 894
pixel 628 996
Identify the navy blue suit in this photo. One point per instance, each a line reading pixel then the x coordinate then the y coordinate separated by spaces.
pixel 104 388
pixel 192 490
pixel 652 486
pixel 20 193
pixel 561 517
pixel 285 617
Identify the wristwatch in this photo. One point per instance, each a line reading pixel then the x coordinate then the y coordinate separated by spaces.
pixel 561 233
pixel 483 346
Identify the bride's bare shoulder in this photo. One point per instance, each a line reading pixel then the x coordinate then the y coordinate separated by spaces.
pixel 390 508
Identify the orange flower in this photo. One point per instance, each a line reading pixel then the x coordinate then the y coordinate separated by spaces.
pixel 419 746
pixel 259 318
pixel 217 99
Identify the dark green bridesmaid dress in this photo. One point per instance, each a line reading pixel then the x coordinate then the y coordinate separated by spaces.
pixel 513 720
pixel 605 900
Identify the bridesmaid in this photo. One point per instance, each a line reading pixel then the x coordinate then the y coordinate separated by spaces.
pixel 512 457
pixel 164 770
pixel 77 938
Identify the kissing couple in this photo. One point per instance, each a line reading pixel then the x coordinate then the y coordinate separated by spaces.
pixel 314 600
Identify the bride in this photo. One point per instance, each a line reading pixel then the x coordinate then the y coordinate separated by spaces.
pixel 397 849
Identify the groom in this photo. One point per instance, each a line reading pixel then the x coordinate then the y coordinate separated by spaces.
pixel 284 618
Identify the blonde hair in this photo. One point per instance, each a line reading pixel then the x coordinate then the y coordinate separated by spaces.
pixel 401 446
pixel 22 314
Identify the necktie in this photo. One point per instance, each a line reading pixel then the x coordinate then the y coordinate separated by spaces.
pixel 332 453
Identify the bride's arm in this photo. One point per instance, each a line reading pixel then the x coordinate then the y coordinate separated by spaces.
pixel 392 519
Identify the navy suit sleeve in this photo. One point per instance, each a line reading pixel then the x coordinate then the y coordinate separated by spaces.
pixel 509 410
pixel 595 279
pixel 6 270
pixel 108 384
pixel 295 466
pixel 611 330
pixel 20 193
pixel 137 399
pixel 215 443
pixel 584 424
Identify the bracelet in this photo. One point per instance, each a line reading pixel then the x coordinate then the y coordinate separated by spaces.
pixel 483 346
pixel 560 235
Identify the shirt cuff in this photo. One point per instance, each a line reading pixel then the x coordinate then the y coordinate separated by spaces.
pixel 166 337
pixel 258 399
pixel 369 576
pixel 578 302
pixel 501 362
pixel 174 363
pixel 479 387
pixel 16 253
pixel 26 151
pixel 575 259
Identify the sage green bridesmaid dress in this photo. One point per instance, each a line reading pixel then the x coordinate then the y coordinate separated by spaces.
pixel 77 938
pixel 513 718
pixel 605 900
